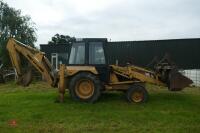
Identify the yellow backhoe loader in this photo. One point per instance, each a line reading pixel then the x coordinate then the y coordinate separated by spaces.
pixel 88 74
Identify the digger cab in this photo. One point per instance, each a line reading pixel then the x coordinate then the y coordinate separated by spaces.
pixel 91 52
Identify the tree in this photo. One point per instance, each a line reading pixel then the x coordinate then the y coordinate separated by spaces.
pixel 13 24
pixel 61 39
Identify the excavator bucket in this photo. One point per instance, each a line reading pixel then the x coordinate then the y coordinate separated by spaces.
pixel 25 79
pixel 172 77
pixel 177 81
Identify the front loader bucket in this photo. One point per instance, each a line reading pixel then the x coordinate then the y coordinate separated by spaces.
pixel 25 79
pixel 177 81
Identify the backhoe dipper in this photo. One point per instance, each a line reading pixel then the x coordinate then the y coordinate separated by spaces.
pixel 88 73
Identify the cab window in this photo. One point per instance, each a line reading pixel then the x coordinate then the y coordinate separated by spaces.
pixel 96 53
pixel 77 55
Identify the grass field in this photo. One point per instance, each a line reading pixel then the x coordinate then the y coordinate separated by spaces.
pixel 34 110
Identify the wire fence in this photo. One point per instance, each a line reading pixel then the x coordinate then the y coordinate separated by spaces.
pixel 194 75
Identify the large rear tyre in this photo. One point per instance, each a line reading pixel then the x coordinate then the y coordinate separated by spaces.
pixel 137 94
pixel 85 87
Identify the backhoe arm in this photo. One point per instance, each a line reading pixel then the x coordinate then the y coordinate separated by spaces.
pixel 34 56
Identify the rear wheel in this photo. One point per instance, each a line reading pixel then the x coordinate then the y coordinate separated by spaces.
pixel 85 87
pixel 137 94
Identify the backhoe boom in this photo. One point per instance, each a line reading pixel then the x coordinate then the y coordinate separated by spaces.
pixel 34 56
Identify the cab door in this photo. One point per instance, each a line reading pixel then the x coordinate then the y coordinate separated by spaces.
pixel 97 59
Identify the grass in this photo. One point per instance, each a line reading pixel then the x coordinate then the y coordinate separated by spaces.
pixel 34 110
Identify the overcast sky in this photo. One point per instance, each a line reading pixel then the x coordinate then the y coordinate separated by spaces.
pixel 113 19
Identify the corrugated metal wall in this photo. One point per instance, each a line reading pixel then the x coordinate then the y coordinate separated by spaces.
pixel 184 52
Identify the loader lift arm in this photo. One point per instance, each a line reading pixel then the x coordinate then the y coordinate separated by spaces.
pixel 135 73
pixel 35 57
pixel 166 75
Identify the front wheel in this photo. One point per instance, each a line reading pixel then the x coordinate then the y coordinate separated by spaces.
pixel 137 94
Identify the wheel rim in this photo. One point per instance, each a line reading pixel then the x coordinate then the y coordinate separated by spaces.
pixel 84 89
pixel 137 96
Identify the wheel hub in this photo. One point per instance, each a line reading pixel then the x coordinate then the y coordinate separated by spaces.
pixel 84 89
pixel 137 97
